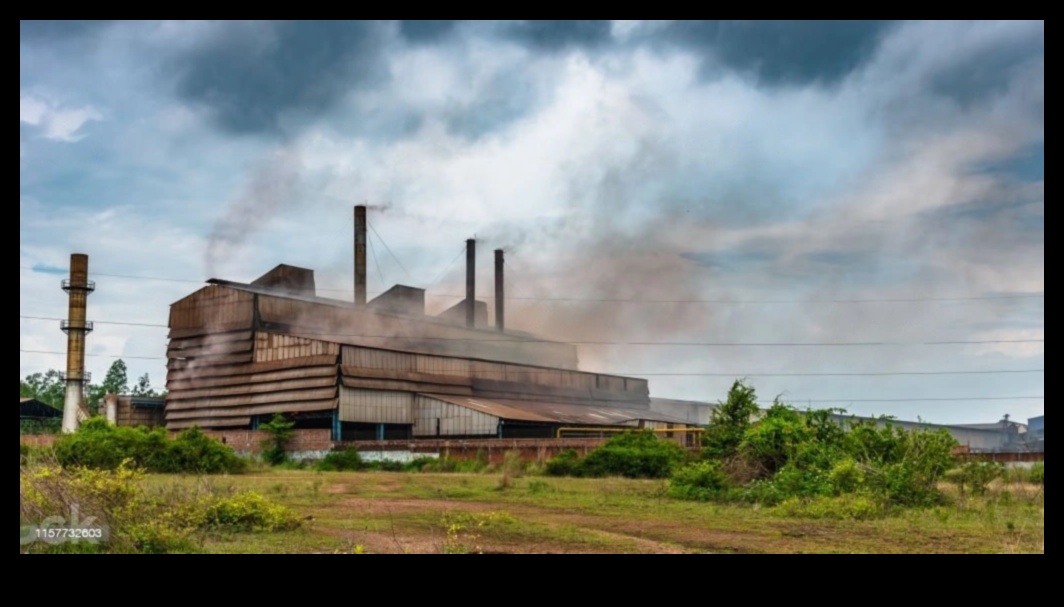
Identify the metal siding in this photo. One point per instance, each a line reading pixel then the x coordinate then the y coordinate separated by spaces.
pixel 376 407
pixel 438 365
pixel 367 358
pixel 454 420
pixel 213 308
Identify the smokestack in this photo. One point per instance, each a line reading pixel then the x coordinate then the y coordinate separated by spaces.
pixel 76 327
pixel 360 256
pixel 471 283
pixel 111 408
pixel 500 292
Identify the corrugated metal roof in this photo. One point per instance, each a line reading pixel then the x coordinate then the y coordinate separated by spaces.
pixel 558 413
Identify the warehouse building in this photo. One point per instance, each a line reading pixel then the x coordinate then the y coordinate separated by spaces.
pixel 382 369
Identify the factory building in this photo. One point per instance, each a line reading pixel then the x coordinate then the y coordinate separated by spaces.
pixel 240 353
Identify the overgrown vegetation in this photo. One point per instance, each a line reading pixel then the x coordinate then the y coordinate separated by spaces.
pixel 31 427
pixel 137 521
pixel 635 455
pixel 279 432
pixel 101 446
pixel 803 460
pixel 1038 474
pixel 975 477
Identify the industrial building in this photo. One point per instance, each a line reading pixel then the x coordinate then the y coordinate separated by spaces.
pixel 382 369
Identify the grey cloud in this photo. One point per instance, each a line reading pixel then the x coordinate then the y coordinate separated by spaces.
pixel 53 29
pixel 426 30
pixel 552 34
pixel 258 77
pixel 780 51
pixel 990 73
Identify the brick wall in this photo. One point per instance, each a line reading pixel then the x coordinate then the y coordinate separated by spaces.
pixel 533 450
pixel 37 441
pixel 247 441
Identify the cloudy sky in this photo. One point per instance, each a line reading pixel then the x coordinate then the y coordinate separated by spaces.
pixel 751 187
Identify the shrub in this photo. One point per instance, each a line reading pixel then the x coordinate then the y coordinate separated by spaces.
pixel 636 455
pixel 249 513
pixel 846 477
pixel 280 432
pixel 138 522
pixel 101 446
pixel 342 460
pixel 846 507
pixel 633 455
pixel 702 481
pixel 566 464
pixel 23 454
pixel 975 477
pixel 1038 474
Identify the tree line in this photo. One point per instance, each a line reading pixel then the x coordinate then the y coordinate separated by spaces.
pixel 50 387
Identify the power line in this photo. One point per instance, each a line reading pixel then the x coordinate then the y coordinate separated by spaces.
pixel 387 248
pixel 45 352
pixel 881 344
pixel 738 302
pixel 636 374
pixel 376 261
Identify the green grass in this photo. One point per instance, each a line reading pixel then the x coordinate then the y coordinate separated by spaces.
pixel 351 513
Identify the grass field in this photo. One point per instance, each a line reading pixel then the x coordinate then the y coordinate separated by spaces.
pixel 453 514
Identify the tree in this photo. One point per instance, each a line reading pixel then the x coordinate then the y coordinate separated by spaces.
pixel 280 432
pixel 143 388
pixel 49 388
pixel 117 380
pixel 24 390
pixel 730 421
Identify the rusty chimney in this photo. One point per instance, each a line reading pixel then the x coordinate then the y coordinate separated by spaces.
pixel 78 288
pixel 360 256
pixel 471 283
pixel 500 291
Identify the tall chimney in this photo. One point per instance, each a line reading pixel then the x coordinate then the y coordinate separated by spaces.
pixel 76 327
pixel 500 292
pixel 471 283
pixel 360 256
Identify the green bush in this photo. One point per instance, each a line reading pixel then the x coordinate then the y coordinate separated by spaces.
pixel 846 507
pixel 846 477
pixel 342 460
pixel 447 465
pixel 101 446
pixel 280 432
pixel 975 477
pixel 567 464
pixel 249 513
pixel 139 521
pixel 702 481
pixel 636 455
pixel 1038 474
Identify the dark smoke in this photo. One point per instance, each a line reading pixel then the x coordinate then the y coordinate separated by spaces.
pixel 270 188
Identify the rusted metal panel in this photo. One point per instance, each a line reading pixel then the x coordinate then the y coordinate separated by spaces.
pixel 271 347
pixel 360 373
pixel 439 365
pixel 195 383
pixel 218 349
pixel 221 422
pixel 390 385
pixel 368 358
pixel 210 340
pixel 216 308
pixel 613 414
pixel 253 388
pixel 304 407
pixel 376 407
pixel 201 371
pixel 434 417
pixel 253 399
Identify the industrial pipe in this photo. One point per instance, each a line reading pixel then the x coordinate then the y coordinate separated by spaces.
pixel 360 256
